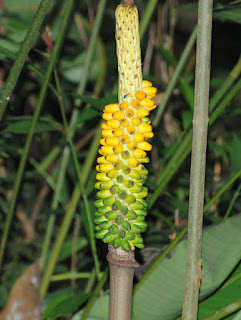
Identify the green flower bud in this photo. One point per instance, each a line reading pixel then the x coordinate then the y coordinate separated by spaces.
pixel 119 219
pixel 140 245
pixel 100 234
pixel 111 215
pixel 103 210
pixel 99 203
pixel 126 225
pixel 122 234
pixel 140 195
pixel 97 228
pixel 125 155
pixel 136 188
pixel 139 218
pixel 126 169
pixel 142 212
pixel 116 242
pixel 118 165
pixel 141 224
pixel 130 199
pixel 130 236
pixel 120 179
pixel 108 238
pixel 143 202
pixel 138 239
pixel 105 225
pixel 137 205
pixel 109 201
pixel 113 173
pixel 97 214
pixel 116 205
pixel 131 215
pixel 135 228
pixel 100 219
pixel 129 183
pixel 114 189
pixel 134 174
pixel 144 160
pixel 124 210
pixel 104 185
pixel 103 194
pixel 122 195
pixel 125 245
pixel 114 229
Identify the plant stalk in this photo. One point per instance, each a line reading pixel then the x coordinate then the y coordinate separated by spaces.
pixel 198 162
pixel 22 54
pixel 122 266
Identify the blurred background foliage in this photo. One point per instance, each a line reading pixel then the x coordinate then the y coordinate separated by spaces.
pixel 166 27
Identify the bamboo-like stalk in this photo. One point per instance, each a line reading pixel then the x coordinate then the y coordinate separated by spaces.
pixel 122 266
pixel 22 54
pixel 198 162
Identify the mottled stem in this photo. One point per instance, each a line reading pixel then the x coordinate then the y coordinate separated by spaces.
pixel 122 266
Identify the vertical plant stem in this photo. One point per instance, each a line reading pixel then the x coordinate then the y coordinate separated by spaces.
pixel 151 4
pixel 175 76
pixel 22 55
pixel 31 131
pixel 198 162
pixel 122 266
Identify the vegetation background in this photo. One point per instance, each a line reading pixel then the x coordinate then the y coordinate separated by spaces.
pixel 49 206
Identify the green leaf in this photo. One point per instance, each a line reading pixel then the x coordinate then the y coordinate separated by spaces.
pixel 167 55
pixel 223 297
pixel 217 148
pixel 228 12
pixel 100 103
pixel 187 117
pixel 62 305
pixel 236 154
pixel 187 92
pixel 66 250
pixel 160 294
pixel 23 126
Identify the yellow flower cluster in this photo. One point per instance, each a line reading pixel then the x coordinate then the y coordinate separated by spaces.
pixel 121 208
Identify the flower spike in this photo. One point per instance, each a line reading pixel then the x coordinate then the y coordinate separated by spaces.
pixel 121 208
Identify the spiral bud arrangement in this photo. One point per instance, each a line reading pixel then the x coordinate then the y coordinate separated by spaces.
pixel 121 209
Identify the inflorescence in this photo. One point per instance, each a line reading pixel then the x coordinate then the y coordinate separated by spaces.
pixel 121 208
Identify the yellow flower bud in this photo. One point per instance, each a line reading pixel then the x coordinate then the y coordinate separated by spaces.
pixel 132 145
pixel 141 95
pixel 113 123
pixel 144 128
pixel 129 113
pixel 135 103
pixel 144 146
pixel 107 116
pixel 104 126
pixel 118 115
pixel 131 129
pixel 149 135
pixel 118 132
pixel 101 160
pixel 112 141
pixel 149 90
pixel 124 139
pixel 133 162
pixel 138 153
pixel 138 137
pixel 107 133
pixel 112 108
pixel 102 141
pixel 123 106
pixel 146 83
pixel 143 112
pixel 105 167
pixel 136 121
pixel 111 157
pixel 118 148
pixel 107 149
pixel 124 122
pixel 147 103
